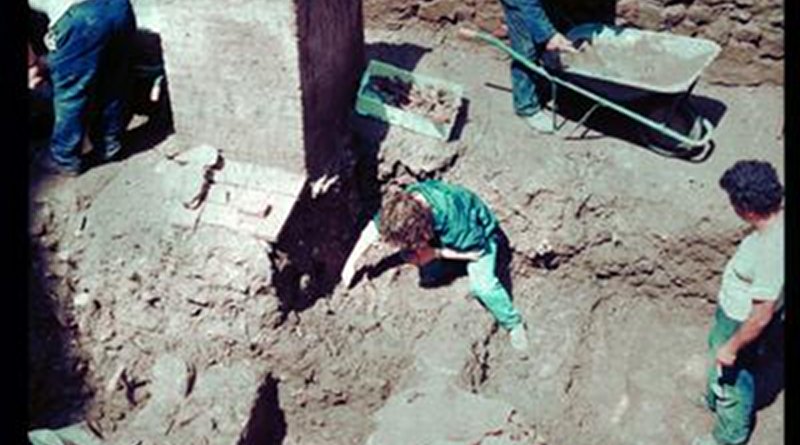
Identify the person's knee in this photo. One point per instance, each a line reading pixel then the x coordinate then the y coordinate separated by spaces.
pixel 485 287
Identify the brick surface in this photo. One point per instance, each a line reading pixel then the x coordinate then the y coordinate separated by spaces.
pixel 258 177
pixel 254 202
pixel 266 228
pixel 270 82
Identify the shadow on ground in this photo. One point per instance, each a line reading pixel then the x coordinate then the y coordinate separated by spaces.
pixel 321 231
pixel 770 371
pixel 149 95
pixel 605 122
pixel 58 394
pixel 57 390
pixel 267 424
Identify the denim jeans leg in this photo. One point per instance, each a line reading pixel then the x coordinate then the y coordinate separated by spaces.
pixel 70 100
pixel 113 81
pixel 73 69
pixel 523 85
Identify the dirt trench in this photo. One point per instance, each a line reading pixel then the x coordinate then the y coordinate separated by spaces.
pixel 597 312
pixel 171 336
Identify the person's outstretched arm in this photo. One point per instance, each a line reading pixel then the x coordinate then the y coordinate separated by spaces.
pixel 450 254
pixel 368 237
pixel 542 29
pixel 537 21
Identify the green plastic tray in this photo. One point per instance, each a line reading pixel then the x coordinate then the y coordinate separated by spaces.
pixel 371 104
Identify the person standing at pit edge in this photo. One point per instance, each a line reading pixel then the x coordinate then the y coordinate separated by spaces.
pixel 434 221
pixel 750 294
pixel 89 47
pixel 530 31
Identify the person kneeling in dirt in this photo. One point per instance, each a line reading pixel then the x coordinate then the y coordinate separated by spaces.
pixel 531 31
pixel 89 47
pixel 751 286
pixel 433 221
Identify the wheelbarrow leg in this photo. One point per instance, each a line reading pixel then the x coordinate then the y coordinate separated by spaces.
pixel 554 97
pixel 579 124
pixel 554 108
pixel 582 122
pixel 678 102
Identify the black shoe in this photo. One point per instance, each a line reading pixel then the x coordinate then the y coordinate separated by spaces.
pixel 51 166
pixel 98 158
pixel 113 156
pixel 95 158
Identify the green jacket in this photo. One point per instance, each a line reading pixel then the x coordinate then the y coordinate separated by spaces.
pixel 461 220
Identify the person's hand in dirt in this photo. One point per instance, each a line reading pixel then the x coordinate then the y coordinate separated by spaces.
pixel 366 239
pixel 560 43
pixel 372 269
pixel 348 273
pixel 353 272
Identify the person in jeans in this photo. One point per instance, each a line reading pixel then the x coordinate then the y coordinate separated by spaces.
pixel 530 31
pixel 88 63
pixel 752 284
pixel 434 221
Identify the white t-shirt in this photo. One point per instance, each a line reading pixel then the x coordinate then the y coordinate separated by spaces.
pixel 754 272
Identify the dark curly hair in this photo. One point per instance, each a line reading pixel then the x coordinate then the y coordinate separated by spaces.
pixel 405 221
pixel 753 186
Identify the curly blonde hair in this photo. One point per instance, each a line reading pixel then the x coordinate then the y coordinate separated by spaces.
pixel 405 221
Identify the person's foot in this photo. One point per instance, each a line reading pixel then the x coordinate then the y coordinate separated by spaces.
pixel 51 166
pixel 109 150
pixel 706 439
pixel 112 156
pixel 541 122
pixel 519 337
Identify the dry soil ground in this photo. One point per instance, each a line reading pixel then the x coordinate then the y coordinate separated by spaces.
pixel 157 335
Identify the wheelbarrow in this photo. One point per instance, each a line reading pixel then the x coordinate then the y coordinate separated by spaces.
pixel 657 65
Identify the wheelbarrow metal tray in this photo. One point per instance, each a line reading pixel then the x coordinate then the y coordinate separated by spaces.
pixel 371 104
pixel 626 63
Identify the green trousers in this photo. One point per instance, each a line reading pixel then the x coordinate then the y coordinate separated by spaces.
pixel 484 284
pixel 731 395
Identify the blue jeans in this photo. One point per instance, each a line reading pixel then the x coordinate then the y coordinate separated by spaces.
pixel 732 395
pixel 89 67
pixel 528 26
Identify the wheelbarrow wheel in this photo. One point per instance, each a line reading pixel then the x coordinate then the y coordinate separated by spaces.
pixel 684 120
